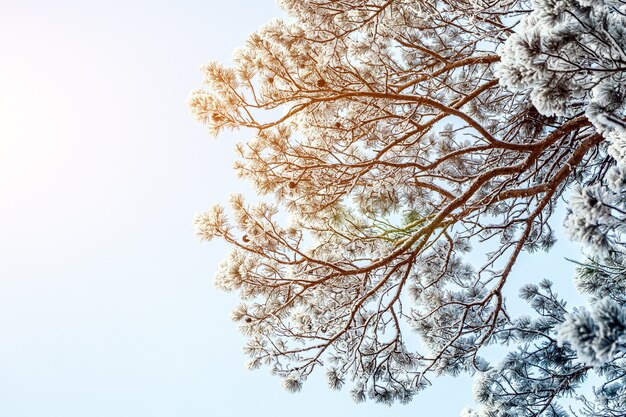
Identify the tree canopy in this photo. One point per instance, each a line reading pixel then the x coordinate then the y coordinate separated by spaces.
pixel 408 152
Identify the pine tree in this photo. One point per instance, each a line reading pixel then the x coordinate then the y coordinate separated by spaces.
pixel 395 136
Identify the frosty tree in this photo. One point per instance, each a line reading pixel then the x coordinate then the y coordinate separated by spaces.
pixel 389 137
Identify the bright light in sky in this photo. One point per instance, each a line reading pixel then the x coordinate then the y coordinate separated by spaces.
pixel 107 306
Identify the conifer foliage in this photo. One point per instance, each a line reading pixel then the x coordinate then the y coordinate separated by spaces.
pixel 392 141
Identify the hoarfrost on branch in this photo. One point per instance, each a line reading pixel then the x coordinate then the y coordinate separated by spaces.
pixel 396 135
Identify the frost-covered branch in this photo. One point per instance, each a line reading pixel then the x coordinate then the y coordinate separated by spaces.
pixel 394 136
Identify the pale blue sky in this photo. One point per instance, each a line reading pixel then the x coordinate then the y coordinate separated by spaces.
pixel 107 306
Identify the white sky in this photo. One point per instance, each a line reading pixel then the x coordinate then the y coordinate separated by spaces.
pixel 107 306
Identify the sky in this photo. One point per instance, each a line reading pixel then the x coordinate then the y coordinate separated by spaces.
pixel 107 303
